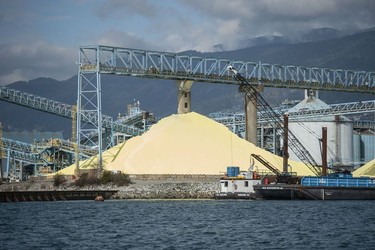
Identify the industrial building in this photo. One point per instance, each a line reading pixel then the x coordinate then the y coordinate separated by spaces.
pixel 96 132
pixel 350 143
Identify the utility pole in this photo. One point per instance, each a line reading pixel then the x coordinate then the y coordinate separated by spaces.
pixel 324 151
pixel 285 144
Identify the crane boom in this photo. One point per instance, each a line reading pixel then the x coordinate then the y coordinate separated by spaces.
pixel 267 164
pixel 268 113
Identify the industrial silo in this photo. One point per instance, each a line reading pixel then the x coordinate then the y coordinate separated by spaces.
pixel 363 147
pixel 309 131
pixel 358 157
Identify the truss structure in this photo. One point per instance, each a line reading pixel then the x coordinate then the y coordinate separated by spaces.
pixel 97 60
pixel 238 119
pixel 62 109
pixel 179 66
pixel 38 154
pixel 267 134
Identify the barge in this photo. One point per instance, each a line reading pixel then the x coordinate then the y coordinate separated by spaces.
pixel 57 195
pixel 331 187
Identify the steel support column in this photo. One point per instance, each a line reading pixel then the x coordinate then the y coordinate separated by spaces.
pixel 89 103
pixel 250 115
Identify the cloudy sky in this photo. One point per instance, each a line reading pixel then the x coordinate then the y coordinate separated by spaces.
pixel 40 38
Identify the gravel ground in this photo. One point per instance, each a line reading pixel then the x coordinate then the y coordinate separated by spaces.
pixel 140 189
pixel 168 190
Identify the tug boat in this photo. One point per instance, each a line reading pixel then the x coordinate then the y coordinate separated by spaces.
pixel 238 185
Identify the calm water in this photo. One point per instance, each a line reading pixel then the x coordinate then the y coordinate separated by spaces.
pixel 188 224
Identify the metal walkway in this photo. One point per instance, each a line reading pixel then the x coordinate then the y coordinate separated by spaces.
pixel 66 145
pixel 179 66
pixel 37 155
pixel 62 109
pixel 266 135
pixel 230 119
pixel 96 60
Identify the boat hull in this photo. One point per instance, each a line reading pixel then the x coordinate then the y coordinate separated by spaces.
pixel 235 196
pixel 299 192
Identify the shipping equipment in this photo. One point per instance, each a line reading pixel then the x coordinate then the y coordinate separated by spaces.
pixel 338 186
pixel 281 177
pixel 268 113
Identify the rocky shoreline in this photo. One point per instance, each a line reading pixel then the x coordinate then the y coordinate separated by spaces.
pixel 143 189
pixel 168 190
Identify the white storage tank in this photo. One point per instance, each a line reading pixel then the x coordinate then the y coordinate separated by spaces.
pixel 364 147
pixel 309 132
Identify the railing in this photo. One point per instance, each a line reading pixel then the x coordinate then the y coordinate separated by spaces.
pixel 61 109
pixel 335 109
pixel 338 182
pixel 181 66
pixel 32 153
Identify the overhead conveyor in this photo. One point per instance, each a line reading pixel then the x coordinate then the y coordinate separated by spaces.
pixel 97 59
pixel 64 110
pixel 350 108
pixel 182 66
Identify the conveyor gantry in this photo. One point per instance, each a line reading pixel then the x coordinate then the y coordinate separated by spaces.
pixel 20 150
pixel 334 109
pixel 180 66
pixel 31 152
pixel 337 109
pixel 62 109
pixel 42 155
pixel 96 60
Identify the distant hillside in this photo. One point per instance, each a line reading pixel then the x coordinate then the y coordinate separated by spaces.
pixel 349 52
pixel 160 96
pixel 313 35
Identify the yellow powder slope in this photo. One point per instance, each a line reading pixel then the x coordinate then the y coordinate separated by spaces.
pixel 366 170
pixel 185 144
pixel 92 163
pixel 190 144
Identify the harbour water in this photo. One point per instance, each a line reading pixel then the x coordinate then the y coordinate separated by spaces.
pixel 188 224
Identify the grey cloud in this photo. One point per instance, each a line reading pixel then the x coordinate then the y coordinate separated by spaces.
pixel 124 39
pixel 259 17
pixel 168 28
pixel 23 61
pixel 126 7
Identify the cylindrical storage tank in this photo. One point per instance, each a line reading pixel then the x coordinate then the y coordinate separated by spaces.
pixel 233 171
pixel 339 139
pixel 230 171
pixel 357 150
pixel 236 171
pixel 345 151
pixel 368 142
pixel 309 132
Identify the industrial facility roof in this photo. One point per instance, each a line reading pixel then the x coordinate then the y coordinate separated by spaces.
pixel 309 103
pixel 312 102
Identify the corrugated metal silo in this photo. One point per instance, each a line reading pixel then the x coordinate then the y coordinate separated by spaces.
pixel 309 132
